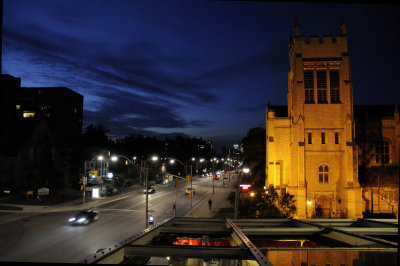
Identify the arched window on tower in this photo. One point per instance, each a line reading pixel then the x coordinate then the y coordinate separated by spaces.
pixel 334 79
pixel 309 86
pixel 323 170
pixel 382 152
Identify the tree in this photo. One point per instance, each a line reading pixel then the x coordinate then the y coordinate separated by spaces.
pixel 254 154
pixel 95 136
pixel 268 206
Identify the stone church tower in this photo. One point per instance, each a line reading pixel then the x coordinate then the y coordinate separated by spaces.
pixel 310 147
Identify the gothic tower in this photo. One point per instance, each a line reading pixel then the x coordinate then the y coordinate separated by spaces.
pixel 319 165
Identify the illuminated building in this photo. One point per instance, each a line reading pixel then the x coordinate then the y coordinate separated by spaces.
pixel 311 144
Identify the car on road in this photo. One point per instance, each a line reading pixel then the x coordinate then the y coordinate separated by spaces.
pixel 85 217
pixel 150 189
pixel 128 183
pixel 188 190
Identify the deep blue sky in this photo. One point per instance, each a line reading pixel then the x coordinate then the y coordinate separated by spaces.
pixel 201 68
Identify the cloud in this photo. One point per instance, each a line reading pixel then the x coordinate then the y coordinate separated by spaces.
pixel 127 91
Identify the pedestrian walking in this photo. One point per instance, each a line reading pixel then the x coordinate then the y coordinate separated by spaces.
pixel 209 203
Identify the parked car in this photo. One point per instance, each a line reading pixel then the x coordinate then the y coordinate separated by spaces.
pixel 128 183
pixel 188 190
pixel 85 217
pixel 111 190
pixel 150 189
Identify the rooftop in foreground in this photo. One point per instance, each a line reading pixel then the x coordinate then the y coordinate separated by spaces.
pixel 204 241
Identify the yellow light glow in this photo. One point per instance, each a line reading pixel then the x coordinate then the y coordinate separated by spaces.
pixel 28 114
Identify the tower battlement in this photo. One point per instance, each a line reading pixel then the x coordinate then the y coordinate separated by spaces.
pixel 316 44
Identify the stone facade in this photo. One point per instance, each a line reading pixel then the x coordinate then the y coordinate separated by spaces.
pixel 310 152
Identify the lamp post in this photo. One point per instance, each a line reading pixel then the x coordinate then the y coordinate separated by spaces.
pixel 191 184
pixel 154 158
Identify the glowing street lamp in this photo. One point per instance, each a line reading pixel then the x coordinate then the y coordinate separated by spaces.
pixel 153 158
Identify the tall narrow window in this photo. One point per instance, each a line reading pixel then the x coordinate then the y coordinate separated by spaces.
pixel 336 137
pixel 323 138
pixel 309 138
pixel 382 152
pixel 309 86
pixel 334 86
pixel 323 173
pixel 321 86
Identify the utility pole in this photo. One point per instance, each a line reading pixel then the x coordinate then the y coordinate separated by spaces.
pixel 84 181
pixel 191 189
pixel 147 198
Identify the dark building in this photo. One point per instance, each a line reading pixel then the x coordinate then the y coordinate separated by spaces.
pixel 40 136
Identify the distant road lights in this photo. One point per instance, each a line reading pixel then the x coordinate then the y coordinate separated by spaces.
pixel 100 157
pixel 154 158
pixel 172 161
pixel 201 160
pixel 246 170
pixel 114 158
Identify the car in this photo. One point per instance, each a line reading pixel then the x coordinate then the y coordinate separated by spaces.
pixel 150 189
pixel 188 190
pixel 85 217
pixel 128 183
pixel 111 190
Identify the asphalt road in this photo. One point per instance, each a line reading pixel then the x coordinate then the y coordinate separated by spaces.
pixel 47 237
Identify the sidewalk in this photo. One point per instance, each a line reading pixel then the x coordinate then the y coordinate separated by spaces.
pixel 219 200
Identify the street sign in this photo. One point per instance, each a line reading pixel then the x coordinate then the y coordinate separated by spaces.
pixel 43 191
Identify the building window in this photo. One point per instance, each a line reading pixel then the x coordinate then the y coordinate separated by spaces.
pixel 17 106
pixel 309 138
pixel 323 138
pixel 323 173
pixel 336 137
pixel 309 86
pixel 334 86
pixel 28 114
pixel 382 152
pixel 321 87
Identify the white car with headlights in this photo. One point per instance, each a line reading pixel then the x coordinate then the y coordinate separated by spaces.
pixel 85 217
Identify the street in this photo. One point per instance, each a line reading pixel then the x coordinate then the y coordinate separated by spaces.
pixel 47 236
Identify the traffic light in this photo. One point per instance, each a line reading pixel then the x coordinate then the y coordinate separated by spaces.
pixel 93 174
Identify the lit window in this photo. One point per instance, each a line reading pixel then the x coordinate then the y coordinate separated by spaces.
pixel 382 152
pixel 323 174
pixel 28 114
pixel 18 107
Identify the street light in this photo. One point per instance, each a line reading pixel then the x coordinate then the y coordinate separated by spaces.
pixel 153 158
pixel 172 161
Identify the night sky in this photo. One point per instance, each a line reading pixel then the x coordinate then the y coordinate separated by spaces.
pixel 199 68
